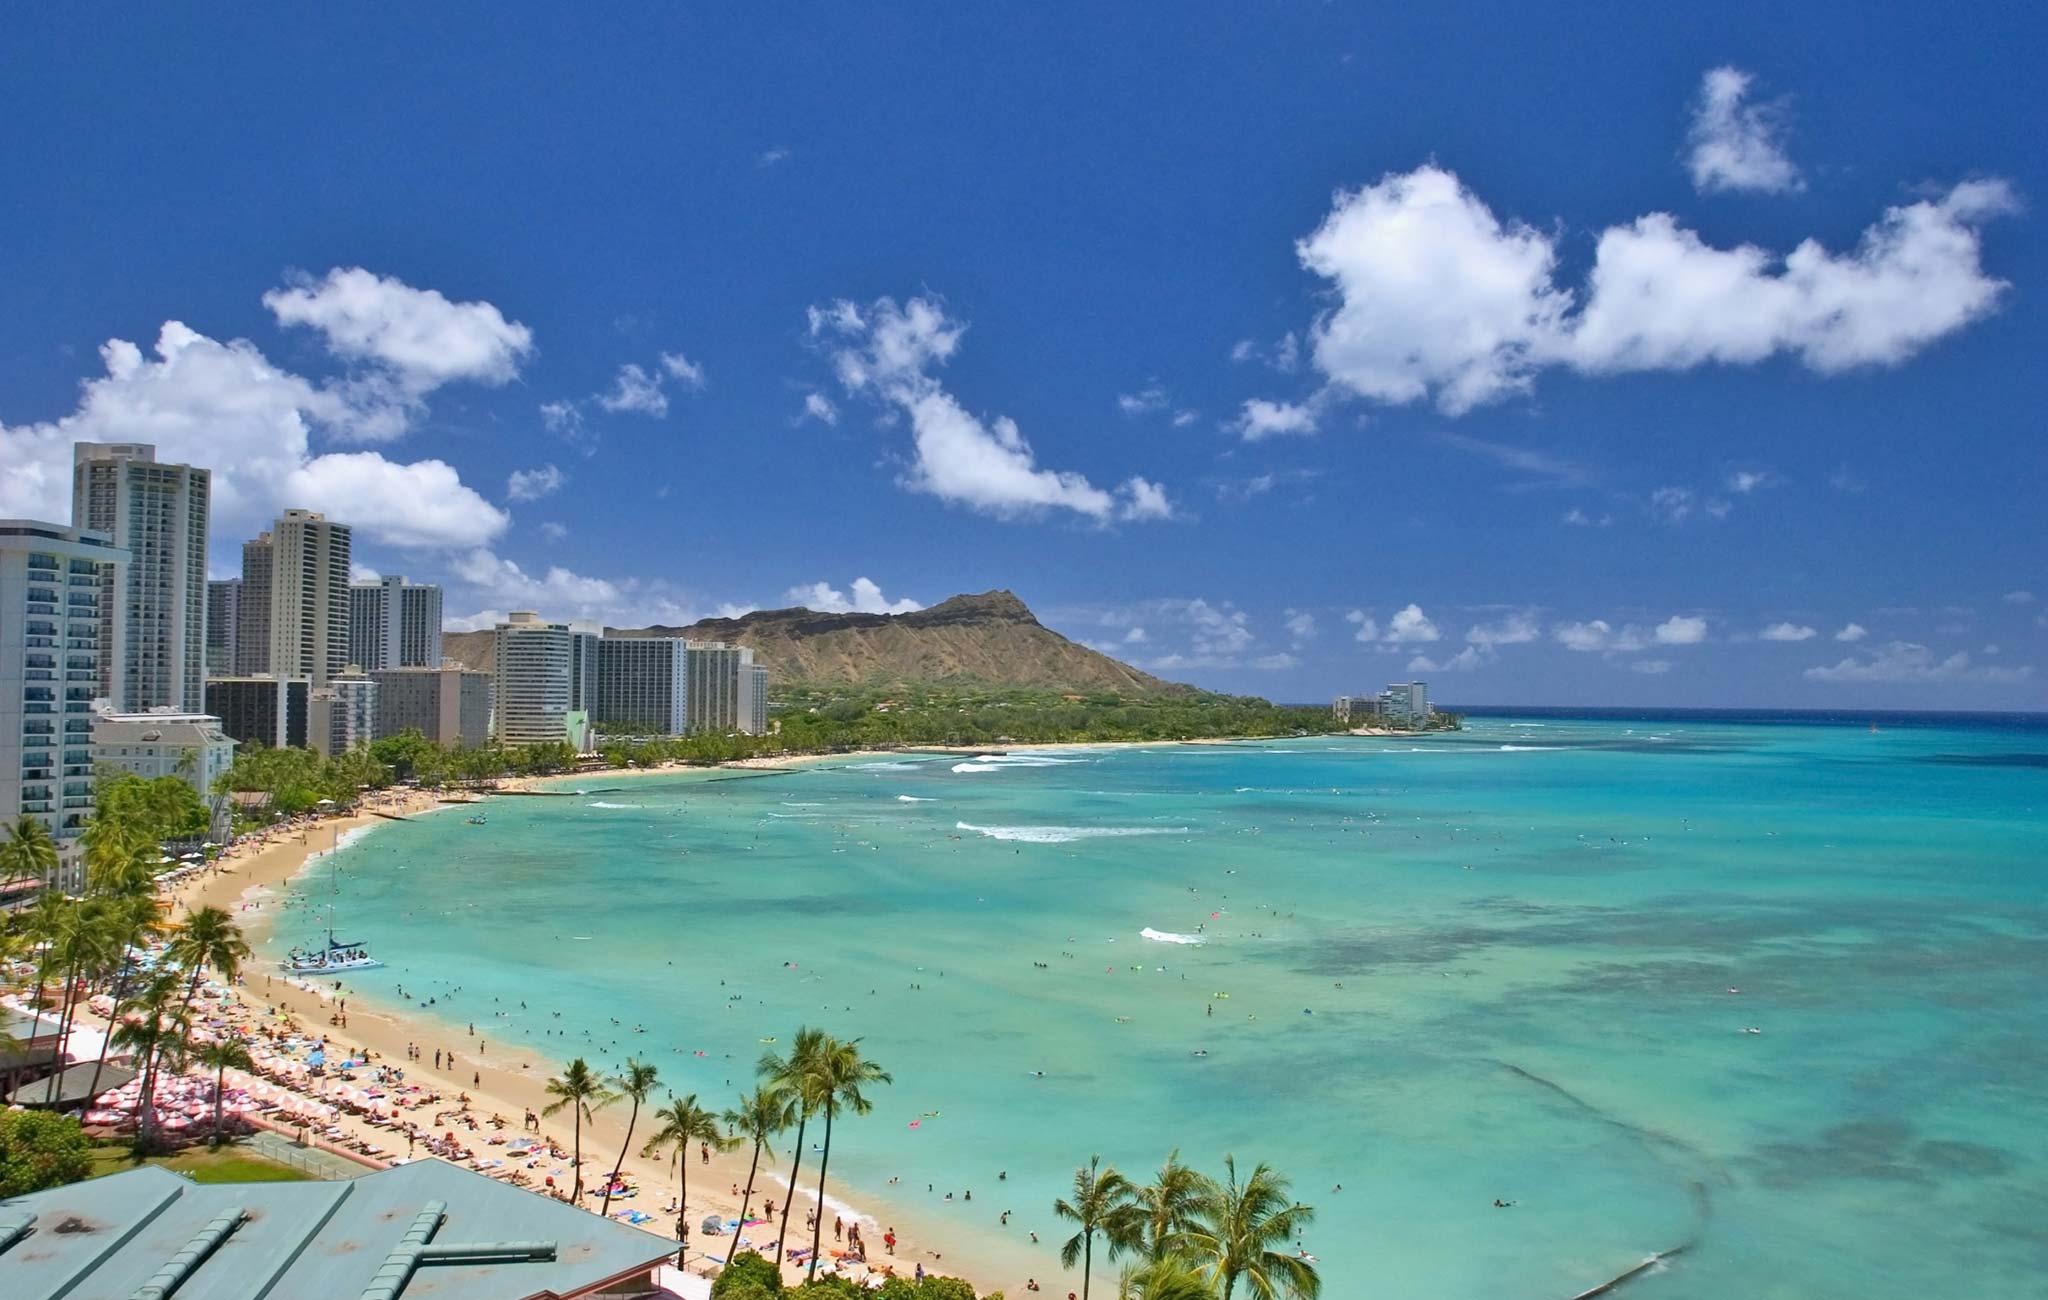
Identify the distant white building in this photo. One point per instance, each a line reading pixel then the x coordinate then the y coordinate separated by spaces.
pixel 343 714
pixel 51 577
pixel 164 742
pixel 753 710
pixel 542 667
pixel 153 625
pixel 1405 703
pixel 725 693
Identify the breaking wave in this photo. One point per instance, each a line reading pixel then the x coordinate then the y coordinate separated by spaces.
pixel 602 804
pixel 1065 834
pixel 910 798
pixel 1168 936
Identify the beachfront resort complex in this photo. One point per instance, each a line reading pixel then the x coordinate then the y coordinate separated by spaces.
pixel 116 652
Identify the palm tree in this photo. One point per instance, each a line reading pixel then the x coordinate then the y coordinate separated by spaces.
pixel 46 924
pixel 683 1122
pixel 761 1115
pixel 792 1073
pixel 584 1094
pixel 220 1056
pixel 1102 1204
pixel 86 947
pixel 839 1071
pixel 637 1083
pixel 1237 1227
pixel 29 853
pixel 140 917
pixel 156 1032
pixel 1170 1203
pixel 116 858
pixel 1173 1277
pixel 209 939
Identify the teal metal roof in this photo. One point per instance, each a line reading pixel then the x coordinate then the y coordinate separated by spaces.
pixel 110 1237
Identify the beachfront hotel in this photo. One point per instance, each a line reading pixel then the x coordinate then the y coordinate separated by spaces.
pixel 642 684
pixel 671 686
pixel 393 623
pixel 157 616
pixel 449 705
pixel 51 580
pixel 260 709
pixel 544 669
pixel 343 714
pixel 295 599
pixel 163 742
pixel 223 623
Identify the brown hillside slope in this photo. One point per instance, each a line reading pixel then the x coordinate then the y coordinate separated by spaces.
pixel 989 641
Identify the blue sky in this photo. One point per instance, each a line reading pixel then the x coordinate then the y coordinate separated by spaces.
pixel 1640 358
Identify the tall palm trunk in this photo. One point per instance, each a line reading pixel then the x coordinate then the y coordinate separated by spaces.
pixel 631 1120
pixel 113 1018
pixel 818 1221
pixel 1088 1263
pixel 795 1163
pixel 576 1155
pixel 219 1077
pixel 683 1206
pixel 64 1026
pixel 746 1194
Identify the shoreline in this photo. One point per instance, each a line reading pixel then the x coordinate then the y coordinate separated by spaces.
pixel 512 1080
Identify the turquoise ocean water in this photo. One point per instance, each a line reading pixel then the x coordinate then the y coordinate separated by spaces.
pixel 1498 964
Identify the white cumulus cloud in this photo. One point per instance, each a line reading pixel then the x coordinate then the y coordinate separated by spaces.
pixel 888 352
pixel 1438 299
pixel 1906 661
pixel 1788 632
pixel 683 370
pixel 1260 419
pixel 1852 632
pixel 1463 661
pixel 1515 629
pixel 227 407
pixel 867 598
pixel 533 484
pixel 635 391
pixel 819 407
pixel 1410 626
pixel 1737 145
pixel 1681 629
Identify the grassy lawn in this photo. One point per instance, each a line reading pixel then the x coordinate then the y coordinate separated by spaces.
pixel 230 1164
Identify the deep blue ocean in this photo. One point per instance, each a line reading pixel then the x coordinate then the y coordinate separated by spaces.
pixel 1772 988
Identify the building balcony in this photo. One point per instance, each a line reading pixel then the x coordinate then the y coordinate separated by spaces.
pixel 37 806
pixel 41 607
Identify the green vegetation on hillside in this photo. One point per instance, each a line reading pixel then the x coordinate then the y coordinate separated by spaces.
pixel 806 721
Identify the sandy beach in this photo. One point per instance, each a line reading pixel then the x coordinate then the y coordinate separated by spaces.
pixel 507 1082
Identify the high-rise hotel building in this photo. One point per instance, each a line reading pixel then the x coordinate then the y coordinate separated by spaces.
pixel 51 582
pixel 393 623
pixel 540 679
pixel 672 686
pixel 158 514
pixel 642 685
pixel 295 599
pixel 223 625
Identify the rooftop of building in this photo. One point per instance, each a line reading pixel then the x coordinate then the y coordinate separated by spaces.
pixel 44 530
pixel 421 1230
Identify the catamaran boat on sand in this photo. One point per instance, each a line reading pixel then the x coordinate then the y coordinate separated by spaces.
pixel 337 956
